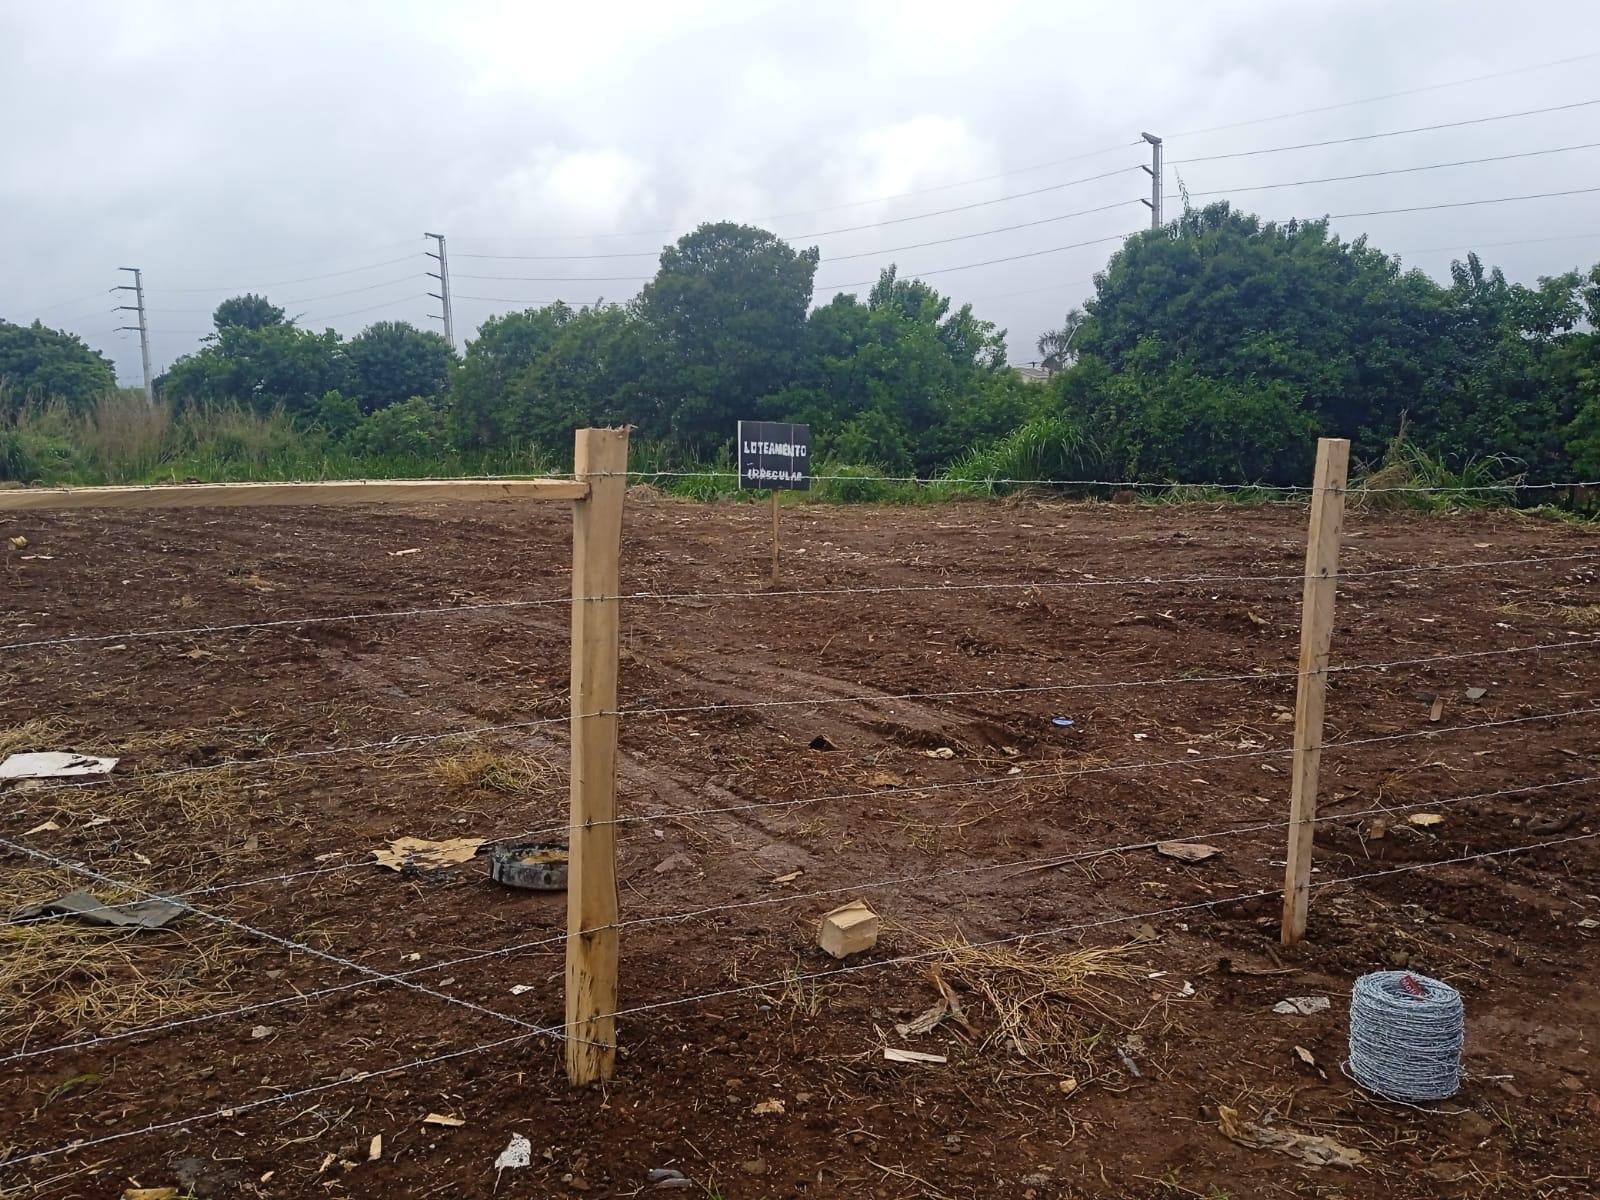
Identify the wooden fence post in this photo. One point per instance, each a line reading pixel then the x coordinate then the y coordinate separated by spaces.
pixel 1316 632
pixel 601 460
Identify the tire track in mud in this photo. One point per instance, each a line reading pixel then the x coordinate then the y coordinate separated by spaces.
pixel 435 681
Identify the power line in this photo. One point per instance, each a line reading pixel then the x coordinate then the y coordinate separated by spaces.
pixel 823 287
pixel 1380 212
pixel 962 237
pixel 1565 237
pixel 522 300
pixel 257 287
pixel 1431 87
pixel 558 278
pixel 797 237
pixel 1059 162
pixel 1462 162
pixel 369 308
pixel 1368 137
pixel 371 287
pixel 942 212
pixel 38 311
pixel 990 262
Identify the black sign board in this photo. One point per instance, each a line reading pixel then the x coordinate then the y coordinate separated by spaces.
pixel 774 454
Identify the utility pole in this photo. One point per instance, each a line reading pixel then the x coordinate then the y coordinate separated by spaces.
pixel 1155 173
pixel 137 288
pixel 443 294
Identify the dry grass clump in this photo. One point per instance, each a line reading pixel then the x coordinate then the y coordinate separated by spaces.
pixel 62 979
pixel 42 734
pixel 1561 614
pixel 213 806
pixel 481 769
pixel 1046 1005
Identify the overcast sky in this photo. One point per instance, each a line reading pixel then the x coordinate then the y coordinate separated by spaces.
pixel 239 146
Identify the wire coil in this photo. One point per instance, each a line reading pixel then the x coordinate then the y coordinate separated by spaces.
pixel 1406 1033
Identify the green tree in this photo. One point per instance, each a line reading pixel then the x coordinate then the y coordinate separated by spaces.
pixel 900 381
pixel 414 428
pixel 39 364
pixel 1164 421
pixel 276 366
pixel 486 405
pixel 249 311
pixel 725 316
pixel 591 373
pixel 1230 297
pixel 391 361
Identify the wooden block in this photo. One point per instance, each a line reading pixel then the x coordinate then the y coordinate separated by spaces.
pixel 848 929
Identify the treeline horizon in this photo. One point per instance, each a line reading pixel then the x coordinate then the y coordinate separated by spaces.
pixel 1213 350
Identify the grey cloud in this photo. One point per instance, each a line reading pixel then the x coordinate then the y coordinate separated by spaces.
pixel 240 145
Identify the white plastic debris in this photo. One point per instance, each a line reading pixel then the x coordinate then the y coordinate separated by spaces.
pixel 53 764
pixel 518 1153
pixel 1304 1006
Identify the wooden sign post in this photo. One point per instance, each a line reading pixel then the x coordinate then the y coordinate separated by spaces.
pixel 601 461
pixel 775 455
pixel 1316 634
pixel 774 535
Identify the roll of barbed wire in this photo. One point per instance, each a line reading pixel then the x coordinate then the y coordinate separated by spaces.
pixel 1406 1032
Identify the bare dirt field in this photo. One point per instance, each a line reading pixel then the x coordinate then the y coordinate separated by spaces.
pixel 744 1062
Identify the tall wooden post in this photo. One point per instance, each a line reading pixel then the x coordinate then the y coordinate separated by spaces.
pixel 1316 632
pixel 601 461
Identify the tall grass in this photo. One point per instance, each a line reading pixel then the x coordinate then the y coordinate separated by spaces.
pixel 1405 465
pixel 123 435
pixel 1046 448
pixel 123 439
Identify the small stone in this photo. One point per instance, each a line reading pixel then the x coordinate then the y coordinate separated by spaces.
pixel 261 1031
pixel 754 1166
pixel 674 862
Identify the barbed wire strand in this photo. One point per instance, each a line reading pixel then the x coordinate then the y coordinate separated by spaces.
pixel 1077 772
pixel 1252 677
pixel 766 985
pixel 782 593
pixel 412 740
pixel 1355 490
pixel 1026 864
pixel 1106 685
pixel 393 743
pixel 234 923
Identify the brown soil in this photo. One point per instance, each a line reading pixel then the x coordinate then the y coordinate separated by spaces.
pixel 1191 1006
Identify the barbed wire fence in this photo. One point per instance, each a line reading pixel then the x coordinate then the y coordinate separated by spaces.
pixel 582 600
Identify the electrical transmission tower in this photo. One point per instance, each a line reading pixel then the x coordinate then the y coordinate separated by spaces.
pixel 137 288
pixel 1155 173
pixel 443 294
